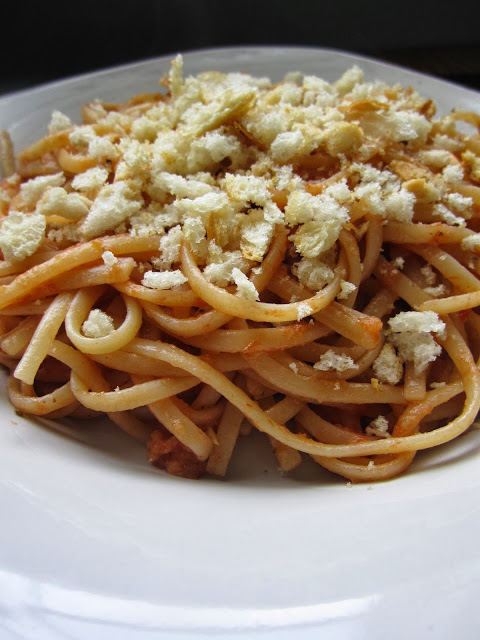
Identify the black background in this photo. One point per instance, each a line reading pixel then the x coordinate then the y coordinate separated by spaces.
pixel 43 41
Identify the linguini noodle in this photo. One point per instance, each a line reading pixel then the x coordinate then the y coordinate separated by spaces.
pixel 301 258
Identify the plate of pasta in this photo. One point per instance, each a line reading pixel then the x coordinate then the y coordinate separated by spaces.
pixel 239 331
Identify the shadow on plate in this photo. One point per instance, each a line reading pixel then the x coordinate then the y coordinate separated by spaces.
pixel 253 463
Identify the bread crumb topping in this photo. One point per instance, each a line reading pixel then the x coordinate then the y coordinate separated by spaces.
pixel 224 159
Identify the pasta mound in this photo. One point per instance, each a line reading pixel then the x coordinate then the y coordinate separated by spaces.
pixel 228 253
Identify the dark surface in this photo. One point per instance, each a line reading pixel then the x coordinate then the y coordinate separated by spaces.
pixel 44 41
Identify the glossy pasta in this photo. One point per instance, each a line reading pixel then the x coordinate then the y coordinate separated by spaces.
pixel 300 258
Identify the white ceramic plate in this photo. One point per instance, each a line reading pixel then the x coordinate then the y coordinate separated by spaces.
pixel 96 544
